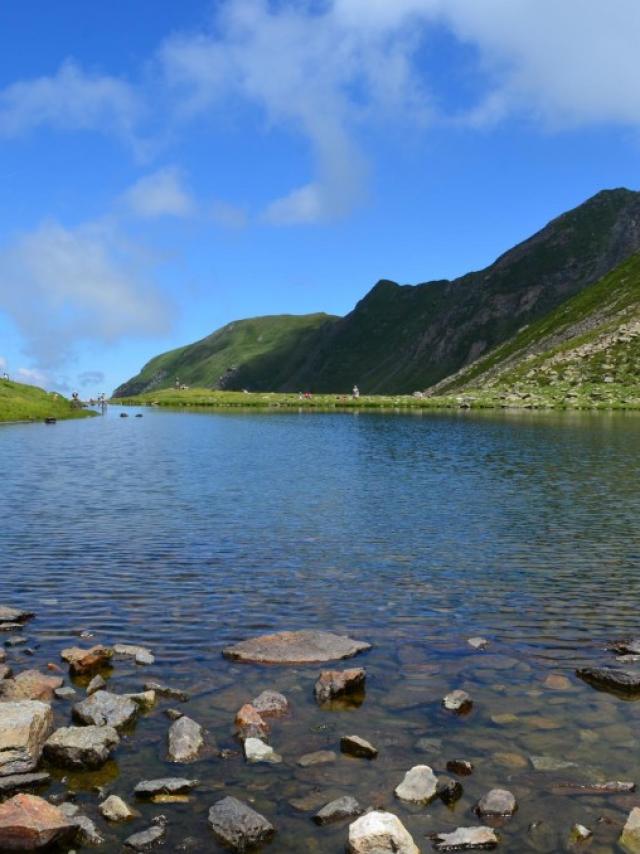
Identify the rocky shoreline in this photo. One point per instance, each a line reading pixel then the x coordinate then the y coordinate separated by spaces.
pixel 37 743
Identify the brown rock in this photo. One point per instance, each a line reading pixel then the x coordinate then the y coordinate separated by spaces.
pixel 82 661
pixel 5 671
pixel 303 647
pixel 556 682
pixel 30 685
pixel 28 823
pixel 24 728
pixel 271 704
pixel 250 724
pixel 337 683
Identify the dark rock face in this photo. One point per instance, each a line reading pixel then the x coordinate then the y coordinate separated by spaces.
pixel 303 647
pixel 337 683
pixel 337 810
pixel 611 679
pixel 106 709
pixel 81 746
pixel 238 826
pixel 29 823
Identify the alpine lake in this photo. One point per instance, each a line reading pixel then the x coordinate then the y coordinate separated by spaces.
pixel 187 532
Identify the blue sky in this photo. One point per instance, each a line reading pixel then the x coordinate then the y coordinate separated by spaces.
pixel 170 167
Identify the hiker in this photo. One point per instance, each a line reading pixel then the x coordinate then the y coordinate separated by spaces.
pixel 356 392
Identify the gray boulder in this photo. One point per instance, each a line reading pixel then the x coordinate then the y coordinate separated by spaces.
pixel 419 786
pixel 185 740
pixel 341 808
pixel 106 709
pixel 81 746
pixel 238 826
pixel 147 839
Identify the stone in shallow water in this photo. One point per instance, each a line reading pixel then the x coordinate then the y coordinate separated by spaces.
pixel 630 836
pixel 106 709
pixel 14 615
pixel 255 750
pixel 460 766
pixel 29 823
pixel 96 684
pixel 341 808
pixel 65 693
pixel 497 803
pixel 627 647
pixel 147 839
pixel 353 745
pixel 270 704
pixel 580 833
pixel 84 830
pixel 457 701
pixel 145 699
pixel 302 647
pixel 320 757
pixel 478 643
pixel 338 683
pixel 115 809
pixel 466 839
pixel 612 787
pixel 165 786
pixel 237 825
pixel 611 679
pixel 81 746
pixel 449 791
pixel 140 654
pixel 185 740
pixel 249 723
pixel 15 782
pixel 83 661
pixel 24 728
pixel 380 832
pixel 167 691
pixel 550 763
pixel 419 785
pixel 556 682
pixel 30 685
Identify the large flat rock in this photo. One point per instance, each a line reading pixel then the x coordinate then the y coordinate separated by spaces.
pixel 612 679
pixel 24 728
pixel 302 647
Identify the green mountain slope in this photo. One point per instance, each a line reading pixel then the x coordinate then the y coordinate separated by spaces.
pixel 591 343
pixel 402 338
pixel 258 353
pixel 20 402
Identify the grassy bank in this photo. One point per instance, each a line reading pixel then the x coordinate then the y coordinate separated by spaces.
pixel 594 396
pixel 20 402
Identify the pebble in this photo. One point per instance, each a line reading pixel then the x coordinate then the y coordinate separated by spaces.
pixel 457 701
pixel 320 757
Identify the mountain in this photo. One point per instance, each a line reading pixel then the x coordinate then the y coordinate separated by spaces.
pixel 400 338
pixel 19 402
pixel 258 353
pixel 587 347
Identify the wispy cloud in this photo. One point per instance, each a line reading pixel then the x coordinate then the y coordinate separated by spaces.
pixel 91 378
pixel 71 99
pixel 64 285
pixel 160 194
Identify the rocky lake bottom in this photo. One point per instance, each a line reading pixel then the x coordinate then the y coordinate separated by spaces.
pixel 186 534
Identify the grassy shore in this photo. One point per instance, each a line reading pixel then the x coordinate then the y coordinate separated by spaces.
pixel 19 402
pixel 595 396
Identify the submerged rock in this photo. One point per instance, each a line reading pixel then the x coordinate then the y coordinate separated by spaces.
pixel 457 701
pixel 353 745
pixel 550 763
pixel 81 746
pixel 616 681
pixel 14 615
pixel 149 838
pixel 302 647
pixel 237 825
pixel 84 661
pixel 144 699
pixel 466 839
pixel 30 685
pixel 338 683
pixel 341 808
pixel 250 724
pixel 612 787
pixel 255 750
pixel 185 740
pixel 460 766
pixel 380 832
pixel 140 654
pixel 496 804
pixel 106 709
pixel 320 757
pixel 115 809
pixel 24 728
pixel 419 785
pixel 29 823
pixel 270 704
pixel 166 691
pixel 449 791
pixel 165 786
pixel 84 830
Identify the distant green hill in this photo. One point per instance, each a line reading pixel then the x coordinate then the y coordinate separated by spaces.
pixel 589 347
pixel 259 353
pixel 20 402
pixel 399 339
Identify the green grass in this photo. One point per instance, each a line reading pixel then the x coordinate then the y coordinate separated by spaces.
pixel 20 402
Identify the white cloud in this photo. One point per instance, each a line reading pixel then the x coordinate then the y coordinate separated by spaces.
pixel 160 194
pixel 62 286
pixel 321 74
pixel 91 378
pixel 228 216
pixel 71 99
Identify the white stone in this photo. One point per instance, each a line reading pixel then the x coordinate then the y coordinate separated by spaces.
pixel 115 809
pixel 419 785
pixel 466 839
pixel 378 833
pixel 630 837
pixel 255 750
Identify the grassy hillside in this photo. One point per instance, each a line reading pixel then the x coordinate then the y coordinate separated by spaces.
pixel 258 353
pixel 587 349
pixel 20 402
pixel 399 339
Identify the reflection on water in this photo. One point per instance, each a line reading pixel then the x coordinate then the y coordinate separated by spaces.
pixel 185 532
